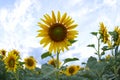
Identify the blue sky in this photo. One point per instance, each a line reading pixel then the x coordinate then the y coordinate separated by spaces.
pixel 18 24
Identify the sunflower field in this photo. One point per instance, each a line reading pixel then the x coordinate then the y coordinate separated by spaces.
pixel 57 32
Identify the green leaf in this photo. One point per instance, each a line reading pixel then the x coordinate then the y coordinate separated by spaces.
pixel 83 63
pixel 114 35
pixel 91 45
pixel 48 72
pixel 103 53
pixel 94 33
pixel 21 63
pixel 105 48
pixel 46 54
pixel 70 59
pixel 72 41
pixel 91 61
pixel 96 53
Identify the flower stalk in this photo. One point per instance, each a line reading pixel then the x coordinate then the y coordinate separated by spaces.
pixel 99 55
pixel 57 64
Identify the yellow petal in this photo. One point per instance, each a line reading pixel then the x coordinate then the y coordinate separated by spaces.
pixel 41 35
pixel 46 22
pixel 72 32
pixel 58 47
pixel 69 23
pixel 55 47
pixel 68 19
pixel 58 16
pixel 47 42
pixel 63 17
pixel 51 47
pixel 42 31
pixel 44 40
pixel 61 44
pixel 72 26
pixel 43 26
pixel 48 19
pixel 53 17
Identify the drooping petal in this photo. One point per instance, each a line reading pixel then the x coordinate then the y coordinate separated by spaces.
pixel 44 40
pixel 47 42
pixel 51 48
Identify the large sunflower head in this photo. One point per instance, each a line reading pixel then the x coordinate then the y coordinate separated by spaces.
pixel 30 63
pixel 72 70
pixel 53 62
pixel 117 36
pixel 57 30
pixel 104 33
pixel 11 62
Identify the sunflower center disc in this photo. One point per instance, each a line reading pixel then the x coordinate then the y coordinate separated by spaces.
pixel 30 62
pixel 12 63
pixel 53 63
pixel 71 70
pixel 57 32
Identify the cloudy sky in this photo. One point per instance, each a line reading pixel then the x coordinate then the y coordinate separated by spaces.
pixel 18 24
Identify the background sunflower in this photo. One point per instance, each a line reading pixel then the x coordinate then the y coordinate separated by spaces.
pixel 104 33
pixel 117 38
pixel 30 63
pixel 11 62
pixel 53 62
pixel 72 70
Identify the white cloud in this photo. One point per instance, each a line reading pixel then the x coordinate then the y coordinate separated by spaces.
pixel 110 2
pixel 73 2
pixel 18 25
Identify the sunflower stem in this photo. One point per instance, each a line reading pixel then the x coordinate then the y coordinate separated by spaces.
pixel 16 75
pixel 99 55
pixel 57 73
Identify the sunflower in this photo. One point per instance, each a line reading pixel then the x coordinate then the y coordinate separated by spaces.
pixel 108 57
pixel 2 52
pixel 117 37
pixel 53 62
pixel 104 34
pixel 30 63
pixel 16 52
pixel 11 62
pixel 72 70
pixel 57 31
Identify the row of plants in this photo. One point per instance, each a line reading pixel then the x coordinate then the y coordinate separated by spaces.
pixel 57 32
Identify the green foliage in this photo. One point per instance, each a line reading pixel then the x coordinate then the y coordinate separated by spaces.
pixel 114 35
pixel 72 41
pixel 94 33
pixel 70 59
pixel 91 45
pixel 101 67
pixel 46 54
